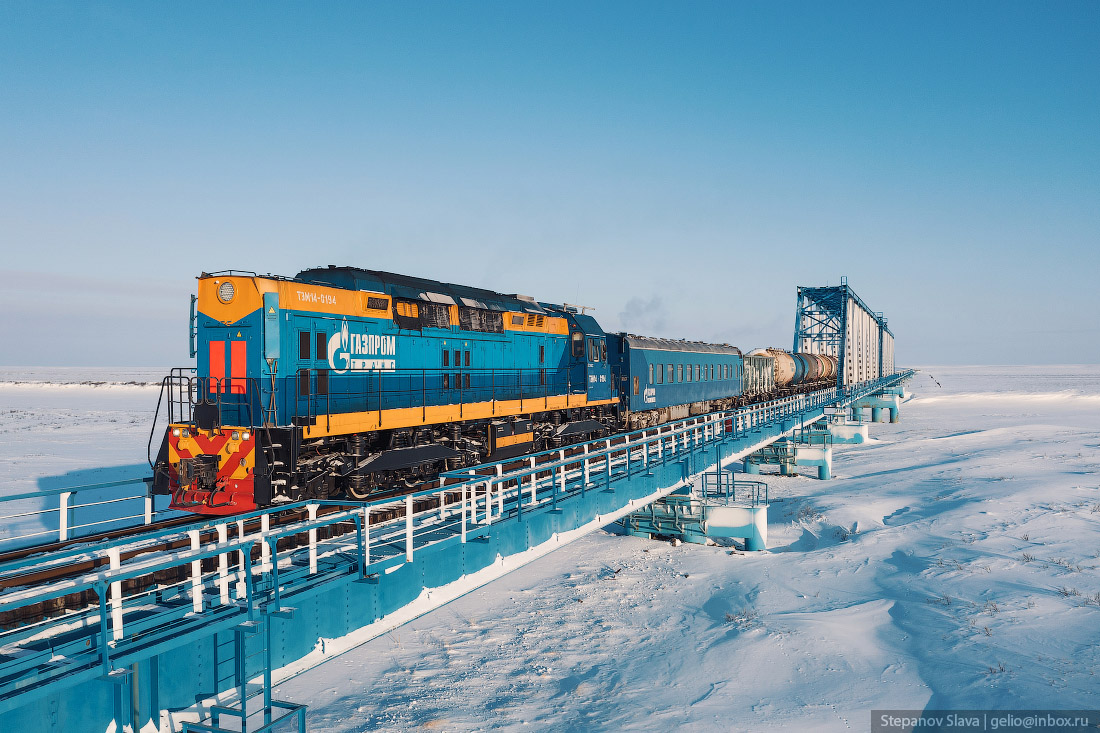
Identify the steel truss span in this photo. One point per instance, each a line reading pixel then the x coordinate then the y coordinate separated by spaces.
pixel 836 322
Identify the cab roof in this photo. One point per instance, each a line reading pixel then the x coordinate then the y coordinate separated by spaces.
pixel 416 288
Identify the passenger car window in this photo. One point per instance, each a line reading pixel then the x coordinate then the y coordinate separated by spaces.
pixel 651 374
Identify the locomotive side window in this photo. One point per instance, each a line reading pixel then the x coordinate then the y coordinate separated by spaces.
pixel 446 359
pixel 322 381
pixel 322 346
pixel 458 358
pixel 303 380
pixel 446 381
pixel 466 380
pixel 635 385
pixel 458 381
pixel 303 345
pixel 542 377
pixel 578 345
pixel 603 351
pixel 467 354
pixel 542 355
pixel 593 350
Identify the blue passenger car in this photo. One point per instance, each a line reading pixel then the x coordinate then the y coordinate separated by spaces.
pixel 684 377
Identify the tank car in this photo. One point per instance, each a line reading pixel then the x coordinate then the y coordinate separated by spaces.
pixel 799 371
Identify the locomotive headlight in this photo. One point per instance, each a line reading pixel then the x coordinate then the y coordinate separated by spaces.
pixel 236 435
pixel 246 435
pixel 175 432
pixel 226 291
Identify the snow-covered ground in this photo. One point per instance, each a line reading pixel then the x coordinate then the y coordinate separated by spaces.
pixel 59 419
pixel 952 563
pixel 71 426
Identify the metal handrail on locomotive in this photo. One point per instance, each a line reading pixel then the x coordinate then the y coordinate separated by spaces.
pixel 343 381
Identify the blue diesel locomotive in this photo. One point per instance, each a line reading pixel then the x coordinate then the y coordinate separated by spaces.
pixel 345 381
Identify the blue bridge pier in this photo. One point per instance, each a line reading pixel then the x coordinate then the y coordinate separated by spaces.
pixel 883 404
pixel 722 506
pixel 193 637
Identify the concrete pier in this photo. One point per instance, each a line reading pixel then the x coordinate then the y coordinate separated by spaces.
pixel 816 455
pixel 847 432
pixel 720 507
pixel 890 403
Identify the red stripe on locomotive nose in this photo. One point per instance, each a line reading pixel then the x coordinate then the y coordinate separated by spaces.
pixel 217 366
pixel 237 364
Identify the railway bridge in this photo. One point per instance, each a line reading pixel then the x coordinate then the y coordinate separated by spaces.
pixel 117 614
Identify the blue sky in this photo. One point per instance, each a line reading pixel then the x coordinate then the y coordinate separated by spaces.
pixel 682 167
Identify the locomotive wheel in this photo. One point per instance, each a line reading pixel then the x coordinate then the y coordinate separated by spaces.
pixel 359 487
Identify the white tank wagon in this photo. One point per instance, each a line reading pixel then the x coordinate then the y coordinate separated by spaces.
pixel 834 321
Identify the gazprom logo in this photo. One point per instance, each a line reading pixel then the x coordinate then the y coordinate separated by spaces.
pixel 350 351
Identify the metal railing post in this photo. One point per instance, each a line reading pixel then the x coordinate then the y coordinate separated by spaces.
pixel 312 511
pixel 465 509
pixel 607 460
pixel 561 472
pixel 196 573
pixel 63 516
pixel 408 528
pixel 265 552
pixel 366 536
pixel 534 480
pixel 223 564
pixel 104 646
pixel 116 594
